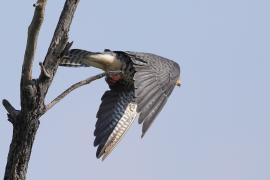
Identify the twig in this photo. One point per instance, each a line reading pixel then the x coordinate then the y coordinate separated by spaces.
pixel 12 112
pixel 71 88
pixel 33 31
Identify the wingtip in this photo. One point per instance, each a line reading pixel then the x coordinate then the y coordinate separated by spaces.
pixel 104 157
pixel 101 156
pixel 142 135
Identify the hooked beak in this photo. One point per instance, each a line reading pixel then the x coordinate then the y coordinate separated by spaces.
pixel 178 83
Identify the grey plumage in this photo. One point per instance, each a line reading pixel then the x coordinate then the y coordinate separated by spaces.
pixel 141 86
pixel 154 81
pixel 116 113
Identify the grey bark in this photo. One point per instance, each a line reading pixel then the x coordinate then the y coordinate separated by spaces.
pixel 33 91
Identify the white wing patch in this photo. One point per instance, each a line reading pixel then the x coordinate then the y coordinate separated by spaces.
pixel 120 129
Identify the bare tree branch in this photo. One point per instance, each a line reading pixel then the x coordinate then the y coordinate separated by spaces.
pixel 71 88
pixel 33 91
pixel 10 109
pixel 58 46
pixel 33 31
pixel 12 112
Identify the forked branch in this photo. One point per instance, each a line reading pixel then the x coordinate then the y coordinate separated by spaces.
pixel 33 31
pixel 33 91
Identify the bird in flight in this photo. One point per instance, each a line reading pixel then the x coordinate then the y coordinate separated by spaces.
pixel 140 84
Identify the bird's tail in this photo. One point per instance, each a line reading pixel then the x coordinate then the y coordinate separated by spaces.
pixel 75 58
pixel 107 60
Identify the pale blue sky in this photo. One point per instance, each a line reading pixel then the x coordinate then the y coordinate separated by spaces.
pixel 215 127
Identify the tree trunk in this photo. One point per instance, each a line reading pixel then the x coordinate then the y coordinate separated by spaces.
pixel 24 132
pixel 33 91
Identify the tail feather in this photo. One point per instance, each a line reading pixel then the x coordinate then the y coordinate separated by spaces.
pixel 106 61
pixel 75 58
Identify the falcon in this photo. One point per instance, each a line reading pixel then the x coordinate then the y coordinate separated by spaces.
pixel 139 83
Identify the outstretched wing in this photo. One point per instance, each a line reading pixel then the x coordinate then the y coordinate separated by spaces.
pixel 116 113
pixel 154 81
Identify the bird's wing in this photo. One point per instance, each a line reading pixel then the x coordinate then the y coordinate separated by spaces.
pixel 154 80
pixel 115 115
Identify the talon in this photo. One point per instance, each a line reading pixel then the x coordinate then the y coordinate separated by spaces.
pixel 116 77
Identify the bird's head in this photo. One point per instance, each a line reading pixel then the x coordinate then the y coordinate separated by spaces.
pixel 178 83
